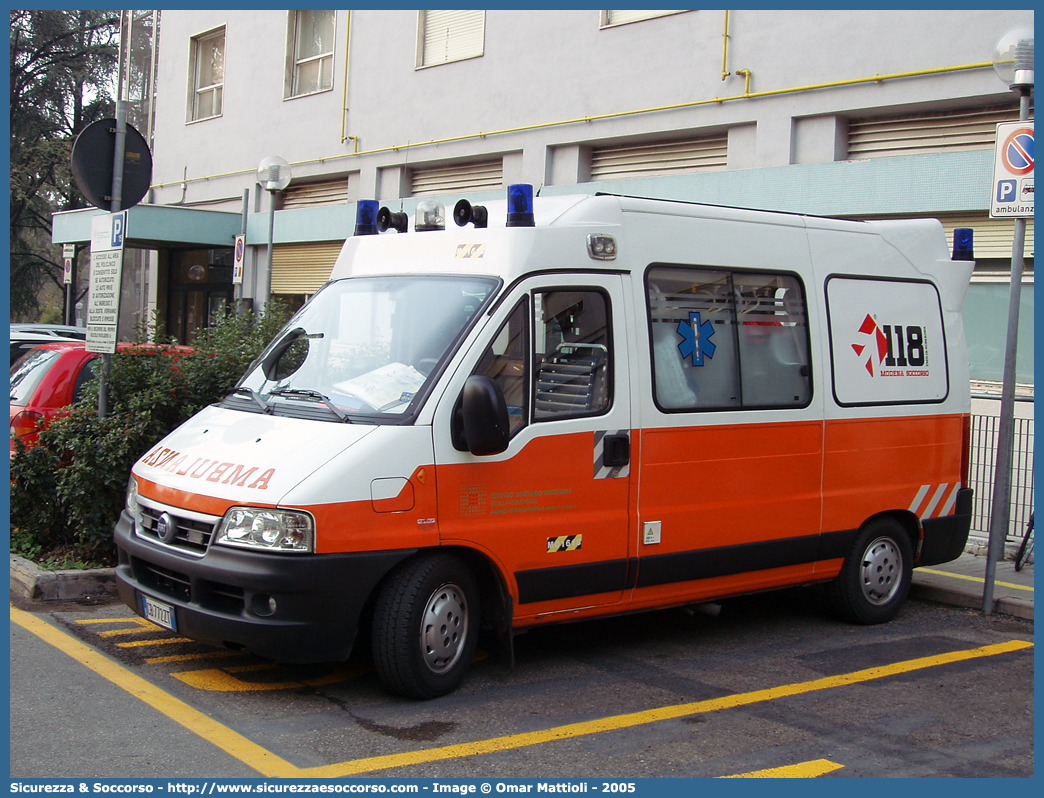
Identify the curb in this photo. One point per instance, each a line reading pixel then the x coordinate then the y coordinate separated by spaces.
pixel 31 582
pixel 942 595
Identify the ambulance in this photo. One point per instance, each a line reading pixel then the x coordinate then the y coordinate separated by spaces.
pixel 559 408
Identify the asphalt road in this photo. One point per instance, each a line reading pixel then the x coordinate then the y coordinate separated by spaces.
pixel 772 681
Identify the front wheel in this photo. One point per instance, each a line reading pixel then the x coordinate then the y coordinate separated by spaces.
pixel 425 627
pixel 875 577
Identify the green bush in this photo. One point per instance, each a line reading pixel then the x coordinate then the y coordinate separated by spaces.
pixel 67 491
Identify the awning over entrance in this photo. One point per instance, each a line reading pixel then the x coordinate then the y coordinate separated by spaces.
pixel 155 227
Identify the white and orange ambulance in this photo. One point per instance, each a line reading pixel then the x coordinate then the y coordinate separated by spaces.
pixel 560 409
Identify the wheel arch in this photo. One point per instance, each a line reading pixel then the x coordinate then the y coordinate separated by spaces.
pixel 910 523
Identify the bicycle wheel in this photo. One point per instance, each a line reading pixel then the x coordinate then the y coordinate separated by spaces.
pixel 1026 547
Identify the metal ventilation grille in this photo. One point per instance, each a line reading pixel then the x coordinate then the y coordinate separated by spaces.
pixel 474 176
pixel 951 131
pixel 661 158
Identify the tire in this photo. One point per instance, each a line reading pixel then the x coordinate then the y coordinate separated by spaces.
pixel 876 575
pixel 425 627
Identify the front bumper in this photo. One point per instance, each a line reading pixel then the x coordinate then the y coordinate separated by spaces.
pixel 223 597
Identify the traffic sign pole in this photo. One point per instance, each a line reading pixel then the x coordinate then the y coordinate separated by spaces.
pixel 1000 515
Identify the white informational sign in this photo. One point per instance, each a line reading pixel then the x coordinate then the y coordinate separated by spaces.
pixel 103 309
pixel 237 266
pixel 1013 171
pixel 886 342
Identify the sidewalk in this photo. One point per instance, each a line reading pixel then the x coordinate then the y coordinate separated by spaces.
pixel 962 582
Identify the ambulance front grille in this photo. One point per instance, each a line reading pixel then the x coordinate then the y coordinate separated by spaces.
pixel 191 535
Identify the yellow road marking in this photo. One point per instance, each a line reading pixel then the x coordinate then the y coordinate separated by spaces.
pixel 223 681
pixel 978 579
pixel 189 657
pixel 229 741
pixel 802 770
pixel 270 765
pixel 166 641
pixel 133 619
pixel 119 632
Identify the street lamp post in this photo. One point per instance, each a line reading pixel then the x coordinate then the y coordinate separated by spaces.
pixel 273 174
pixel 1013 62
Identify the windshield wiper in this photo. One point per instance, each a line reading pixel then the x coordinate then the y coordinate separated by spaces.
pixel 310 394
pixel 265 407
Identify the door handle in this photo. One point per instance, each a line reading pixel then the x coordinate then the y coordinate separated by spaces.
pixel 617 450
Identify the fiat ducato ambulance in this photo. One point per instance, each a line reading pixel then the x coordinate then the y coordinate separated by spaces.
pixel 560 409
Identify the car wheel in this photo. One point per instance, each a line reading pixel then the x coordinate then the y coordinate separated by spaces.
pixel 875 577
pixel 425 627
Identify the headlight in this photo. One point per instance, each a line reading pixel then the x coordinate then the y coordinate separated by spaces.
pixel 131 505
pixel 267 529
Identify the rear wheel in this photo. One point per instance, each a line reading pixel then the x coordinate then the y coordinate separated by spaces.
pixel 875 578
pixel 425 627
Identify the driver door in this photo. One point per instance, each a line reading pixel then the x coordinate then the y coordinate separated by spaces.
pixel 553 510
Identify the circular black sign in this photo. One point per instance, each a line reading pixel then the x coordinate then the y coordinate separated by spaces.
pixel 92 164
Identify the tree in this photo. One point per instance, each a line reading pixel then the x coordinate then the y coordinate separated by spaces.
pixel 62 68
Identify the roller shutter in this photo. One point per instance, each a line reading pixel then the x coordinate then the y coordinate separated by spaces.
pixel 661 158
pixel 950 131
pixel 309 195
pixel 451 36
pixel 455 178
pixel 303 268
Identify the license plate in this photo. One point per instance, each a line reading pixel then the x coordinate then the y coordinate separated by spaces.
pixel 159 613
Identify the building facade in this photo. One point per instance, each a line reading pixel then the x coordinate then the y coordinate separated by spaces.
pixel 860 114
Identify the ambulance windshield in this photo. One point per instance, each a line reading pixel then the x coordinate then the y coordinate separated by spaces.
pixel 363 346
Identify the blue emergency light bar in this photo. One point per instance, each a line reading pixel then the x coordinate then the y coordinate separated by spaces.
pixel 962 244
pixel 366 218
pixel 520 206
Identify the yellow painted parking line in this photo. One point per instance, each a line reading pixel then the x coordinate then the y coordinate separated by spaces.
pixel 978 579
pixel 224 680
pixel 162 641
pixel 270 765
pixel 134 619
pixel 216 653
pixel 120 632
pixel 231 742
pixel 802 770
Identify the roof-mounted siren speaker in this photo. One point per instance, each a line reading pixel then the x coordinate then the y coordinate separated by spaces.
pixel 464 212
pixel 520 205
pixel 962 244
pixel 386 219
pixel 365 218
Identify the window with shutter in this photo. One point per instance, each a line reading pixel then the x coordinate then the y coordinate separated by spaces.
pixel 446 36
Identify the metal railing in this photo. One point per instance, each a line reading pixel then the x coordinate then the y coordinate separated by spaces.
pixel 983 462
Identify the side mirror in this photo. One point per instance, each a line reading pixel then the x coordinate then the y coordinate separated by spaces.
pixel 486 426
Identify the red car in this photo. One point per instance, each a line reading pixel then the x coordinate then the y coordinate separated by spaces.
pixel 46 380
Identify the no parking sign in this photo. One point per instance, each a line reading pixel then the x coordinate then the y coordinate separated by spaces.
pixel 237 267
pixel 1013 171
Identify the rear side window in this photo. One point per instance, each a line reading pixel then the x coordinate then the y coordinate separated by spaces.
pixel 28 372
pixel 887 344
pixel 727 340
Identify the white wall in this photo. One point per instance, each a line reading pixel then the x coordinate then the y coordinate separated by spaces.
pixel 548 66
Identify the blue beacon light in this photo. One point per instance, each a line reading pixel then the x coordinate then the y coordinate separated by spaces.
pixel 520 206
pixel 962 244
pixel 366 218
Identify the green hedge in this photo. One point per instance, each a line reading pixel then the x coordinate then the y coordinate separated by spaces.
pixel 67 491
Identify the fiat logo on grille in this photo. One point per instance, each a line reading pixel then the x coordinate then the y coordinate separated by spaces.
pixel 166 529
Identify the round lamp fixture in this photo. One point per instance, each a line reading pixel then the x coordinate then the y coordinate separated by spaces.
pixel 273 173
pixel 1013 57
